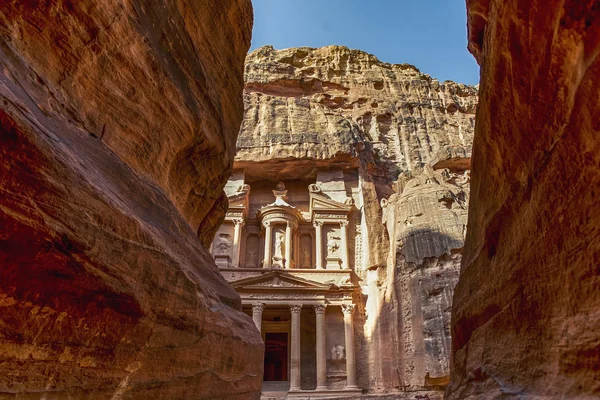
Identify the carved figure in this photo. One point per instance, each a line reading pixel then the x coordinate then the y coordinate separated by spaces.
pixel 252 258
pixel 305 256
pixel 280 245
pixel 332 243
pixel 280 186
pixel 223 244
pixel 338 352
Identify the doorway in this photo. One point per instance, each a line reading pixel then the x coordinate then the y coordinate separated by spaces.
pixel 276 357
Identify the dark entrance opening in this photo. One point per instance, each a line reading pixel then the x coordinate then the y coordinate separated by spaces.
pixel 276 356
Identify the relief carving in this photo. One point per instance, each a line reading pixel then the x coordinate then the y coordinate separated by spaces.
pixel 223 244
pixel 338 352
pixel 332 243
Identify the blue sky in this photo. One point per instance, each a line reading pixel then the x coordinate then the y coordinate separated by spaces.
pixel 430 34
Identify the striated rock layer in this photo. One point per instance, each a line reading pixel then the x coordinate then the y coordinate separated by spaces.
pixel 526 319
pixel 330 109
pixel 118 123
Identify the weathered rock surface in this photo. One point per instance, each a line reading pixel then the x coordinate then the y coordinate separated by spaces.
pixel 334 108
pixel 526 320
pixel 318 104
pixel 118 123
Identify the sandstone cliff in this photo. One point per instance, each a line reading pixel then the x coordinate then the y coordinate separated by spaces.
pixel 118 123
pixel 526 320
pixel 335 108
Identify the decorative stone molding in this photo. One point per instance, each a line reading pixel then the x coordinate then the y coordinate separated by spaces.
pixel 314 188
pixel 330 216
pixel 295 308
pixel 258 307
pixel 347 308
pixel 231 215
pixel 320 308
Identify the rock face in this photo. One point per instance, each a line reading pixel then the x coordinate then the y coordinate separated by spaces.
pixel 118 123
pixel 525 311
pixel 409 138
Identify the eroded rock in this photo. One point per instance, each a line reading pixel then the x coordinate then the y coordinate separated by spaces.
pixel 118 128
pixel 525 311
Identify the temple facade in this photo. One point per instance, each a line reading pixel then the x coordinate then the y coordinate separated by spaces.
pixel 289 249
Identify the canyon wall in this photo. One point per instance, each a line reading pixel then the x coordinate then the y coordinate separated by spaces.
pixel 118 123
pixel 406 138
pixel 525 318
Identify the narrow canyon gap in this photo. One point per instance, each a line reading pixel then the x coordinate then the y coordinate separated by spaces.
pixel 118 124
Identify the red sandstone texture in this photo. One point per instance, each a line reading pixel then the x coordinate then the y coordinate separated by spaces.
pixel 118 122
pixel 526 310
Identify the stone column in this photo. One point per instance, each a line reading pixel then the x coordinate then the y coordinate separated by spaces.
pixel 350 357
pixel 319 243
pixel 237 233
pixel 321 348
pixel 344 234
pixel 295 347
pixel 257 310
pixel 288 245
pixel 268 245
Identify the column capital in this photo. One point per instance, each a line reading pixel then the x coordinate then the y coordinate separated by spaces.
pixel 266 223
pixel 344 223
pixel 238 221
pixel 295 308
pixel 320 308
pixel 258 307
pixel 317 223
pixel 347 308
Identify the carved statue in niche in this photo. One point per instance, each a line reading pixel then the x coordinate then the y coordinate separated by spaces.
pixel 305 251
pixel 332 243
pixel 279 244
pixel 252 251
pixel 305 256
pixel 223 244
pixel 338 352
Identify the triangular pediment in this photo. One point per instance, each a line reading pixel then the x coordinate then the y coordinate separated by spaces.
pixel 321 203
pixel 278 280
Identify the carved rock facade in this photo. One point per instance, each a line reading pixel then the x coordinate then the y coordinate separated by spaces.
pixel 344 132
pixel 118 123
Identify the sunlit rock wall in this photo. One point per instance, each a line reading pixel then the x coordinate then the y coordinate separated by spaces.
pixel 118 123
pixel 525 318
pixel 409 137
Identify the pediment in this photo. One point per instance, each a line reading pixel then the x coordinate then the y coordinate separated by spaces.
pixel 278 280
pixel 320 203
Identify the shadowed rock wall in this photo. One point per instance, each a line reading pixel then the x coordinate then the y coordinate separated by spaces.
pixel 525 318
pixel 118 123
